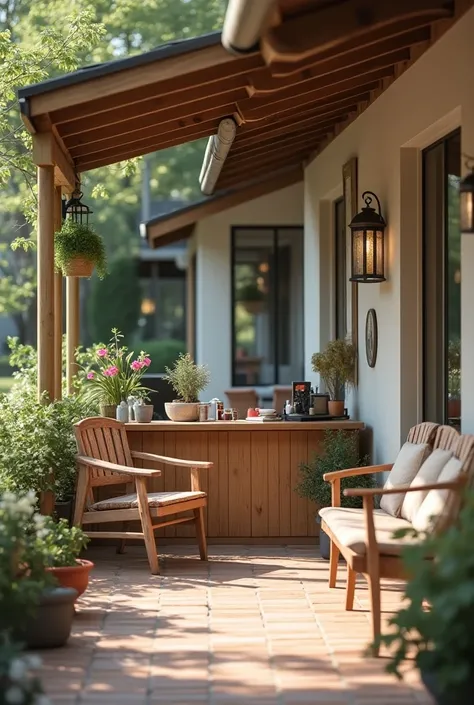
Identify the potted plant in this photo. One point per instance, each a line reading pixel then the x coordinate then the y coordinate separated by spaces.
pixel 18 680
pixel 143 412
pixel 61 546
pixel 187 380
pixel 251 297
pixel 339 451
pixel 32 609
pixel 435 628
pixel 78 249
pixel 454 379
pixel 336 367
pixel 113 375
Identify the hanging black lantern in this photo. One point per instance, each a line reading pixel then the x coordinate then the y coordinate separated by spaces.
pixel 466 194
pixel 367 241
pixel 76 210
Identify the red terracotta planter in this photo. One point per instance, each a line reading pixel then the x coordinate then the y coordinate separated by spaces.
pixel 74 576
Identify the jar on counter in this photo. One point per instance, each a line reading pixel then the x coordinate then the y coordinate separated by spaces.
pixel 220 411
pixel 203 412
pixel 227 415
pixel 235 414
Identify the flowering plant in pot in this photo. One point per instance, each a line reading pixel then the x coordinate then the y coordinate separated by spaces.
pixel 78 249
pixel 114 374
pixel 435 627
pixel 336 367
pixel 61 546
pixel 188 381
pixel 19 682
pixel 339 451
pixel 32 609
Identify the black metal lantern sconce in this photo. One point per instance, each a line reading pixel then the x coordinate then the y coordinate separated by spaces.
pixel 466 197
pixel 78 211
pixel 367 242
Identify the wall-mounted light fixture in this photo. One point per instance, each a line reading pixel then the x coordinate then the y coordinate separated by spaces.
pixel 466 194
pixel 367 240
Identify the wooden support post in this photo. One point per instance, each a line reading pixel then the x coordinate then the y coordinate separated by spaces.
pixel 58 306
pixel 72 329
pixel 45 254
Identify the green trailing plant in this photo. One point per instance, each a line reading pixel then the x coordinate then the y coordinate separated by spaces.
pixel 61 544
pixel 187 378
pixel 435 627
pixel 79 240
pixel 110 374
pixel 339 451
pixel 336 367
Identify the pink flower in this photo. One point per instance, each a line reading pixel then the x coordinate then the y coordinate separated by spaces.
pixel 90 375
pixel 111 371
pixel 147 361
pixel 136 365
pixel 102 352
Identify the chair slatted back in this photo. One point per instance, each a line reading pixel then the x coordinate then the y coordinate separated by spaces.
pixel 464 451
pixel 446 438
pixel 104 439
pixel 423 433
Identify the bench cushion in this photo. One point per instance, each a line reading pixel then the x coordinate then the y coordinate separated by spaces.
pixel 439 505
pixel 155 499
pixel 409 460
pixel 348 525
pixel 427 474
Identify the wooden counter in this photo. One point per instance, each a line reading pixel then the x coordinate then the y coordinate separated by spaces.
pixel 250 489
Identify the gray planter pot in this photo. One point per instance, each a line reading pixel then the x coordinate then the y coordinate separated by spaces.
pixel 461 697
pixel 143 412
pixel 324 542
pixel 51 625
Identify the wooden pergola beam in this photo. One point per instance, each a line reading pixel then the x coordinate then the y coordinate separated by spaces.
pixel 279 137
pixel 238 173
pixel 312 33
pixel 239 180
pixel 46 151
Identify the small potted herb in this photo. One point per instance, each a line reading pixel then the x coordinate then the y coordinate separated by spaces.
pixel 336 367
pixel 188 381
pixel 78 249
pixel 436 625
pixel 339 451
pixel 61 546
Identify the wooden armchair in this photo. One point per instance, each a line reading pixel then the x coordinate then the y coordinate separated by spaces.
pixel 105 458
pixel 365 536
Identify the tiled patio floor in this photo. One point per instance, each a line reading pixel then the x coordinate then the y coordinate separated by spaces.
pixel 255 625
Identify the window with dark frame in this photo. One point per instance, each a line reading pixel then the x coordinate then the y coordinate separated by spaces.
pixel 340 269
pixel 442 281
pixel 267 305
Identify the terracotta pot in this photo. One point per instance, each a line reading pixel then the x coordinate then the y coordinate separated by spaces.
pixel 181 411
pixel 79 267
pixel 108 410
pixel 143 412
pixel 74 576
pixel 336 408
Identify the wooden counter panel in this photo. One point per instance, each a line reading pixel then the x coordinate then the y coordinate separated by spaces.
pixel 242 426
pixel 251 488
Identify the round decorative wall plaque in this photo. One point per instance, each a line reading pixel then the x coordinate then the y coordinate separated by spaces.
pixel 371 337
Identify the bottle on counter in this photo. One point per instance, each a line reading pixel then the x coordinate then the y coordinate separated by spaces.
pixel 121 413
pixel 288 407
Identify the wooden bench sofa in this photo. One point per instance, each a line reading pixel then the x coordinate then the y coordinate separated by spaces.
pixel 428 500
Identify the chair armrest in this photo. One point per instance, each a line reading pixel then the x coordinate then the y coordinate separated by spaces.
pixel 353 472
pixel 151 457
pixel 114 467
pixel 374 491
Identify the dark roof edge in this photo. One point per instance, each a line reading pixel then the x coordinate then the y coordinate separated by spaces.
pixel 165 51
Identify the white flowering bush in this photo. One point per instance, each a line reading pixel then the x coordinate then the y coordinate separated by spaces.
pixel 22 564
pixel 19 682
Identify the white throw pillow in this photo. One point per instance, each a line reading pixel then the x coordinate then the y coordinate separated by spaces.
pixel 409 460
pixel 427 474
pixel 436 506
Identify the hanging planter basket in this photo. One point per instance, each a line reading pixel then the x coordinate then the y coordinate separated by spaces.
pixel 253 307
pixel 79 267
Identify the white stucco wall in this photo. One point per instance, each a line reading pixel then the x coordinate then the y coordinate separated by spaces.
pixel 429 100
pixel 213 275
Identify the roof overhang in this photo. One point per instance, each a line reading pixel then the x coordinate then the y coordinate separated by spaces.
pixel 180 224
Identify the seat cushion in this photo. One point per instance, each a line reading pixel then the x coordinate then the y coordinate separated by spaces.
pixel 439 505
pixel 155 499
pixel 348 525
pixel 409 460
pixel 427 474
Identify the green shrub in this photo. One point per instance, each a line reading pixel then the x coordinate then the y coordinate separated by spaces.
pixel 163 353
pixel 115 302
pixel 79 240
pixel 339 451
